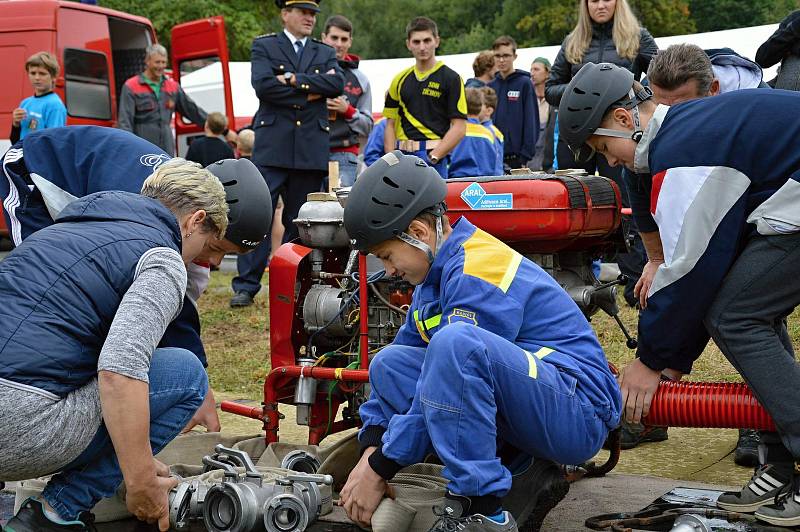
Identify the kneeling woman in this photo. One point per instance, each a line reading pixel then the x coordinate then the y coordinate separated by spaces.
pixel 84 392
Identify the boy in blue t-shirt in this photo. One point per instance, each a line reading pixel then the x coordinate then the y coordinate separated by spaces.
pixel 44 109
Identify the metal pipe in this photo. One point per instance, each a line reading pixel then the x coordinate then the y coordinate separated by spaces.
pixel 232 407
pixel 385 301
pixel 280 376
pixel 364 310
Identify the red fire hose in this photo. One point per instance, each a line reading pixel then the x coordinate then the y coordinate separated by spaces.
pixel 676 404
pixel 695 404
pixel 708 404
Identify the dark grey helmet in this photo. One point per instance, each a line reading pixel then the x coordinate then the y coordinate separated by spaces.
pixel 388 195
pixel 249 201
pixel 593 90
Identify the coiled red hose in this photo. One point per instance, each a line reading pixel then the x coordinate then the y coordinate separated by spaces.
pixel 708 404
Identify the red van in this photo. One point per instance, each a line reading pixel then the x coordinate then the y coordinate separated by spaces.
pixel 98 49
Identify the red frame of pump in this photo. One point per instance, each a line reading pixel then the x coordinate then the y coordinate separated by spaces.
pixel 280 377
pixel 676 404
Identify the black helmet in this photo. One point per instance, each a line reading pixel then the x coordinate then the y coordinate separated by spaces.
pixel 249 201
pixel 593 90
pixel 387 197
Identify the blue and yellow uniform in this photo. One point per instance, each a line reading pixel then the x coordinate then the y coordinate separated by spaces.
pixel 499 141
pixel 492 350
pixel 475 155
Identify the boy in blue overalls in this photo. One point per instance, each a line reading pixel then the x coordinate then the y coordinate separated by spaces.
pixel 493 353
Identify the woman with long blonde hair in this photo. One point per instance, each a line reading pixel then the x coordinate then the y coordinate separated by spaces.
pixel 607 32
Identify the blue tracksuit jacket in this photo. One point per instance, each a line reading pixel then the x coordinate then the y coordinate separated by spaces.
pixel 493 348
pixel 50 168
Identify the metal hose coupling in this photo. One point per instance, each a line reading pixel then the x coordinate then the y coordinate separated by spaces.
pixel 186 503
pixel 301 461
pixel 250 504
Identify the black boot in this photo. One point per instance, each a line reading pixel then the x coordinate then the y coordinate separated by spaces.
pixel 746 453
pixel 535 491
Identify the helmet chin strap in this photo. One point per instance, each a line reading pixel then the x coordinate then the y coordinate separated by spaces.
pixel 422 246
pixel 636 136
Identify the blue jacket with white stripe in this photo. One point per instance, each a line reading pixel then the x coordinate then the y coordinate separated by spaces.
pixel 724 169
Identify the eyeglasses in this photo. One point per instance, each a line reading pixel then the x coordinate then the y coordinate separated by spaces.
pixel 503 56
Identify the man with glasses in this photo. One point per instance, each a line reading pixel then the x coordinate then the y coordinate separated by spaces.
pixel 517 115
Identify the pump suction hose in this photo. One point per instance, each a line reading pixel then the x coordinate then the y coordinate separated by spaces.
pixel 724 405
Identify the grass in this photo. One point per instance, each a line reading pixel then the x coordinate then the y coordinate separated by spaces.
pixel 237 344
pixel 237 341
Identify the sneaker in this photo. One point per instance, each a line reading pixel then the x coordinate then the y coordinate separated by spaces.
pixel 241 299
pixel 534 492
pixel 632 434
pixel 31 518
pixel 746 453
pixel 762 488
pixel 785 509
pixel 453 515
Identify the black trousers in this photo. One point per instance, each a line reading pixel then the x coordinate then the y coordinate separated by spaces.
pixel 293 185
pixel 746 320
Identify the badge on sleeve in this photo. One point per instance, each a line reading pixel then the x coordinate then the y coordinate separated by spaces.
pixel 467 316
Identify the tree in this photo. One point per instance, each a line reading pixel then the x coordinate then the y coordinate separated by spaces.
pixel 244 19
pixel 713 15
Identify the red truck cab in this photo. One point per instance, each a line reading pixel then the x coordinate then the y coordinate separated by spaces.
pixel 98 49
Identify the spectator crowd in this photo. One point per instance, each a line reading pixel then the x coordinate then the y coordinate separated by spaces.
pixel 610 103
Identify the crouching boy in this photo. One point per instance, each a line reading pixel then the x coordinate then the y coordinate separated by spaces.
pixel 493 355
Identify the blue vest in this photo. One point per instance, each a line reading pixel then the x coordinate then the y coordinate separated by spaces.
pixel 62 286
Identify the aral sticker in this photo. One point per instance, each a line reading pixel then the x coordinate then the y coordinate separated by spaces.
pixel 477 198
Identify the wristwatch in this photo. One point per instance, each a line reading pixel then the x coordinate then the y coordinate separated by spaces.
pixel 287 77
pixel 433 159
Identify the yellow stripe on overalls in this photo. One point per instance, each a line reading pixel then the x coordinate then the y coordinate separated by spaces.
pixel 487 258
pixel 425 325
pixel 533 372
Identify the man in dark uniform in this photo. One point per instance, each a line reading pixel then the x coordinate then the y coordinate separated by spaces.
pixel 293 75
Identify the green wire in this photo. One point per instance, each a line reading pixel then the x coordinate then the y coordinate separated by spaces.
pixel 331 386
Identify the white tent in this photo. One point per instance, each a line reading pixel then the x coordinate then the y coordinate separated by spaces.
pixel 204 85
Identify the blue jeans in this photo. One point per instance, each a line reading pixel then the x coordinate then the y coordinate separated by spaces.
pixel 178 385
pixel 467 391
pixel 348 165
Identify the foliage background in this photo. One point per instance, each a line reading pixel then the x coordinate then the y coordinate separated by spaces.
pixel 465 25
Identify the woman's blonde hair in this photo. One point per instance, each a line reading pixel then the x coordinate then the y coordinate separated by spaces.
pixel 186 187
pixel 626 33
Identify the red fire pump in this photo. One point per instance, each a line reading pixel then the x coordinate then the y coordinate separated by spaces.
pixel 331 308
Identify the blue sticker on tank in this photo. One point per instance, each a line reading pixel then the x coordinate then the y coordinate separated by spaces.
pixel 477 198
